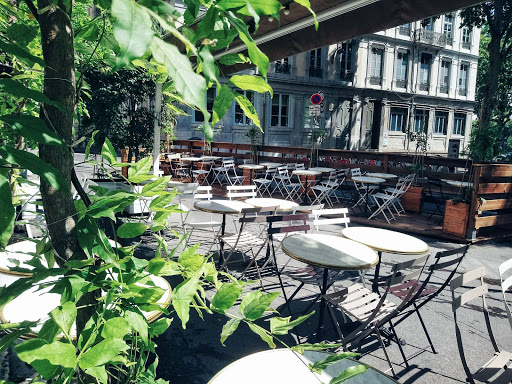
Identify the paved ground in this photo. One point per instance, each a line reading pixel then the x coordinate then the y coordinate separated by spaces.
pixel 195 355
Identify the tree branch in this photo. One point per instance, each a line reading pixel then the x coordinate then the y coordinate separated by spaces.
pixel 33 9
pixel 79 188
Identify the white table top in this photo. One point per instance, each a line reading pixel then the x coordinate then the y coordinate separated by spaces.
pixel 329 251
pixel 460 184
pixel 382 175
pixel 306 172
pixel 35 304
pixel 261 202
pixel 251 166
pixel 322 169
pixel 282 365
pixel 192 158
pixel 208 158
pixel 368 180
pixel 270 164
pixel 229 207
pixel 385 240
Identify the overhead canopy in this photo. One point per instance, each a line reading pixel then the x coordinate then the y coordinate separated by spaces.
pixel 340 20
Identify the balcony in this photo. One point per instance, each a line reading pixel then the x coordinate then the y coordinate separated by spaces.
pixel 404 30
pixel 463 92
pixel 346 76
pixel 466 45
pixel 443 89
pixel 316 72
pixel 429 38
pixel 400 83
pixel 282 68
pixel 375 80
pixel 424 86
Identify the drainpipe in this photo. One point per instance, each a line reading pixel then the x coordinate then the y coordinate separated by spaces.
pixel 156 129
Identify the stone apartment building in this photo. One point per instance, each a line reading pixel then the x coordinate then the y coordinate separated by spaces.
pixel 379 90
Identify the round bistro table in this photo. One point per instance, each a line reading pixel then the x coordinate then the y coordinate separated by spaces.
pixel 386 176
pixel 262 202
pixel 384 240
pixel 367 180
pixel 306 173
pixel 251 168
pixel 283 365
pixel 329 252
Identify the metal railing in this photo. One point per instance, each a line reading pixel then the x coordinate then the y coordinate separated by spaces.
pixel 443 89
pixel 424 86
pixel 430 38
pixel 405 31
pixel 316 72
pixel 282 68
pixel 401 83
pixel 375 80
pixel 463 92
pixel 466 45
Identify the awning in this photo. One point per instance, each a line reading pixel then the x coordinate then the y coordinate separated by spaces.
pixel 339 21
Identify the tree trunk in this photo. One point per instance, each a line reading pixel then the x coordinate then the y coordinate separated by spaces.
pixel 59 85
pixel 490 88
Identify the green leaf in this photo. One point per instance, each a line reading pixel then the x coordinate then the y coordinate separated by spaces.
pixel 99 373
pixel 132 29
pixel 11 339
pixel 160 7
pixel 33 128
pixel 187 83
pixel 129 230
pixel 108 152
pixel 45 357
pixel 17 89
pixel 191 11
pixel 349 373
pixel 90 144
pixel 7 213
pixel 251 83
pixel 20 53
pixel 22 34
pixel 116 328
pixel 254 304
pixel 162 267
pixel 248 109
pixel 64 316
pixel 300 348
pixel 160 326
pixel 281 325
pixel 160 203
pixel 307 4
pixel 102 353
pixel 228 329
pixel 138 172
pixel 190 259
pixel 156 187
pixel 208 63
pixel 182 297
pixel 260 7
pixel 138 323
pixel 234 58
pixel 263 334
pixel 331 359
pixel 29 161
pixel 222 103
pixel 226 296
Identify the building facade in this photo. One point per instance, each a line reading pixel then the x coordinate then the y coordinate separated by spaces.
pixel 380 92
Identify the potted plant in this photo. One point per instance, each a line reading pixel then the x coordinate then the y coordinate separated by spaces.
pixel 411 200
pixel 317 136
pixel 254 135
pixel 456 213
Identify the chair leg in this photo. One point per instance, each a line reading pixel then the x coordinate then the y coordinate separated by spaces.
pixel 425 329
pixel 398 343
pixel 379 336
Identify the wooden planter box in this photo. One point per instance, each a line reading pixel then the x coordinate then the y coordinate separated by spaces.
pixel 456 218
pixel 411 200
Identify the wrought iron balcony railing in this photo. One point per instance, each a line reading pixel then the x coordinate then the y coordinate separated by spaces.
pixel 443 89
pixel 401 83
pixel 282 68
pixel 425 37
pixel 424 86
pixel 463 91
pixel 405 31
pixel 375 80
pixel 466 45
pixel 316 72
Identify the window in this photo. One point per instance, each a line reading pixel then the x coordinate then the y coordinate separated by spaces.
pixel 448 28
pixel 210 98
pixel 444 76
pixel 425 71
pixel 308 120
pixel 279 113
pixel 463 79
pixel 405 29
pixel 397 122
pixel 282 66
pixel 376 65
pixel 345 54
pixel 401 69
pixel 428 24
pixel 240 117
pixel 466 38
pixel 420 120
pixel 441 123
pixel 315 63
pixel 459 124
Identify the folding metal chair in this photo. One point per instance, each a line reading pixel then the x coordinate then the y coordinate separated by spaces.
pixel 386 200
pixel 372 310
pixel 239 191
pixel 202 175
pixel 498 368
pixel 263 184
pixel 505 270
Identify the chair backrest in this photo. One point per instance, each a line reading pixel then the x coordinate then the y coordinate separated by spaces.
pixel 183 188
pixel 505 270
pixel 330 217
pixel 239 191
pixel 355 171
pixel 459 299
pixel 307 208
pixel 285 224
pixel 203 192
pixel 300 166
pixel 248 161
pixel 228 163
pixel 291 166
pixel 270 171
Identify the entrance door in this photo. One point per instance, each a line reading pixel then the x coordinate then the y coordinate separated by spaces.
pixel 376 125
pixel 453 149
pixel 368 124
